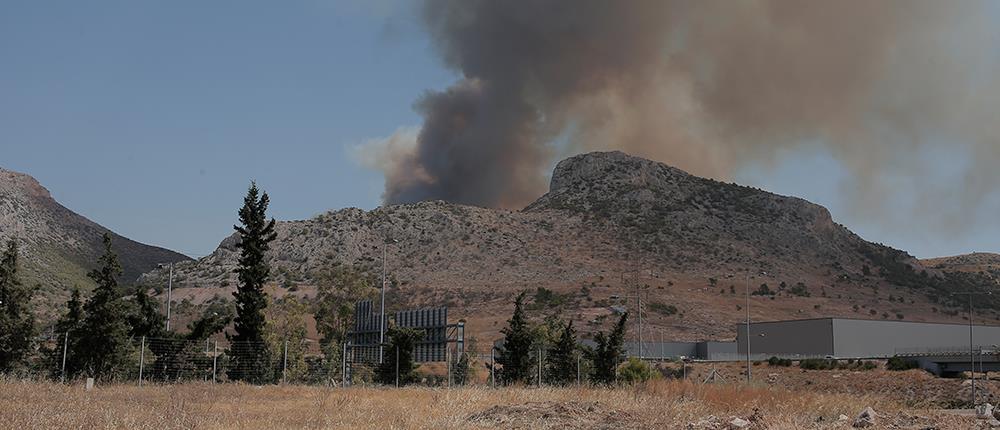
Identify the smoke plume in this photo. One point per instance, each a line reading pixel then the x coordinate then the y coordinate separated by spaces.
pixel 703 85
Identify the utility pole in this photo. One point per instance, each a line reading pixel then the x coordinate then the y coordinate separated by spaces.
pixel 170 287
pixel 972 351
pixel 638 310
pixel 748 326
pixel 381 314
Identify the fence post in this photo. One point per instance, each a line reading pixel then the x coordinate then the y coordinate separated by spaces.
pixel 397 366
pixel 493 366
pixel 284 362
pixel 142 357
pixel 65 347
pixel 539 367
pixel 215 360
pixel 578 369
pixel 447 358
pixel 343 374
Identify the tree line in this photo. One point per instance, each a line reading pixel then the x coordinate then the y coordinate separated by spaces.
pixel 97 336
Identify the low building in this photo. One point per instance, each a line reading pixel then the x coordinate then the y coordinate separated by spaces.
pixel 706 350
pixel 857 338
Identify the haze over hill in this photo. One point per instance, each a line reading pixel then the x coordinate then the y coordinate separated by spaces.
pixel 609 223
pixel 58 247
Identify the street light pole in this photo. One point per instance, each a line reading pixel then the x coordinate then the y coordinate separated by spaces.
pixel 381 319
pixel 638 310
pixel 748 326
pixel 381 313
pixel 972 352
pixel 170 287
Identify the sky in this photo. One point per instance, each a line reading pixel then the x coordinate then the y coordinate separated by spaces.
pixel 151 118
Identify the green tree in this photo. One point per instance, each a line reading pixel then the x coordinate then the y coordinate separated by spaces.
pixel 145 318
pixel 561 360
pixel 250 358
pixel 338 288
pixel 515 357
pixel 608 354
pixel 68 323
pixel 286 326
pixel 17 324
pixel 399 348
pixel 464 367
pixel 101 342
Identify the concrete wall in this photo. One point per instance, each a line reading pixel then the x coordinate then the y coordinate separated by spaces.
pixel 788 338
pixel 873 339
pixel 716 350
pixel 662 349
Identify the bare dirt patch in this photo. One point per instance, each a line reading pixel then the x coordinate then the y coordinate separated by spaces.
pixel 549 414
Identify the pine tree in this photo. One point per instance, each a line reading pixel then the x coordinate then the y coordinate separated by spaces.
pixel 401 343
pixel 102 342
pixel 515 357
pixel 249 354
pixel 17 324
pixel 561 360
pixel 609 353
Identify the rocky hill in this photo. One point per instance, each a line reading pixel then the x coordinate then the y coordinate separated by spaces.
pixel 58 247
pixel 610 225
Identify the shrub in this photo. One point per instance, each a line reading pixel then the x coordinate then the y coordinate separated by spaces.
pixel 899 363
pixel 799 290
pixel 636 370
pixel 782 362
pixel 663 309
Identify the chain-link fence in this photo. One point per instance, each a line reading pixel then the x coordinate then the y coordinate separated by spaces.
pixel 162 360
pixel 166 360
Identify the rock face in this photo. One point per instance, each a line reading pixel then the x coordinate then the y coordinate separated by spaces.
pixel 609 221
pixel 58 246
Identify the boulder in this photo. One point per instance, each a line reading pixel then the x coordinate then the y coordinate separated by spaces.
pixel 738 423
pixel 865 419
pixel 984 411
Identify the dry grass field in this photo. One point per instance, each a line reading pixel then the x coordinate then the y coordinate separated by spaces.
pixel 657 405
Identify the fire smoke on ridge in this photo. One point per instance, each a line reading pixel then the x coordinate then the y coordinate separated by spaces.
pixel 703 85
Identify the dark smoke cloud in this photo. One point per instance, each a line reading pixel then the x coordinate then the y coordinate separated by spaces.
pixel 703 85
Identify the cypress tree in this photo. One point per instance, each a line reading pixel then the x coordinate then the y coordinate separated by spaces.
pixel 101 342
pixel 561 359
pixel 71 320
pixel 68 323
pixel 515 355
pixel 609 353
pixel 249 354
pixel 145 319
pixel 17 324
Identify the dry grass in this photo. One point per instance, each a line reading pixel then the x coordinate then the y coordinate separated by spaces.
pixel 25 405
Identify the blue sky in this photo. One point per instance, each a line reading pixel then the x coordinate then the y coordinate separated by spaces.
pixel 150 118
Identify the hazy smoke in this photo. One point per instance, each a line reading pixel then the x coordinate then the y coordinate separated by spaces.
pixel 703 85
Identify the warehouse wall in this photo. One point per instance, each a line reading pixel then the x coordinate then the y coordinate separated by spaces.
pixel 872 339
pixel 788 338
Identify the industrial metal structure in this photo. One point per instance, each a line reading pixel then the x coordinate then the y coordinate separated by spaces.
pixel 858 338
pixel 363 339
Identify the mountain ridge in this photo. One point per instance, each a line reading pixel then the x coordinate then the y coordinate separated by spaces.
pixel 609 224
pixel 58 246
